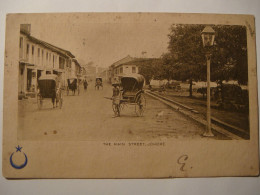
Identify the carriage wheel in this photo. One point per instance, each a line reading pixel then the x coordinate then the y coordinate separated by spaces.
pixel 39 101
pixel 140 105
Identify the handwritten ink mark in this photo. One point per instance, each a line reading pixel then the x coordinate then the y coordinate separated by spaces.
pixel 181 161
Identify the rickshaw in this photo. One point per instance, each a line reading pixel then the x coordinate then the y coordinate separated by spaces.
pixel 73 85
pixel 48 87
pixel 132 93
pixel 98 83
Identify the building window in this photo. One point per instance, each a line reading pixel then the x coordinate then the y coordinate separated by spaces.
pixel 133 69
pixel 21 42
pixel 61 62
pixel 68 63
pixel 32 49
pixel 53 61
pixel 121 69
pixel 27 49
pixel 46 56
pixel 39 51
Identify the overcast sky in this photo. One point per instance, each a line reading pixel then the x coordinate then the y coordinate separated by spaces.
pixel 102 42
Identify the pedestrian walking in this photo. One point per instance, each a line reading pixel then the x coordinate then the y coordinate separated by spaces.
pixel 85 83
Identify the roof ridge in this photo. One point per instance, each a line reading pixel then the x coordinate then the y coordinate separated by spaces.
pixel 48 45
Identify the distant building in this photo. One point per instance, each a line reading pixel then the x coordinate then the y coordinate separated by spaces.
pixel 90 72
pixel 121 67
pixel 76 68
pixel 125 66
pixel 104 75
pixel 83 72
pixel 37 57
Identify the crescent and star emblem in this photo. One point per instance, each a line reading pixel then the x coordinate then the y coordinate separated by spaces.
pixel 18 149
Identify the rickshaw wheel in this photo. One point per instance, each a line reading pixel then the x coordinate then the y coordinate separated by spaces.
pixel 140 105
pixel 39 101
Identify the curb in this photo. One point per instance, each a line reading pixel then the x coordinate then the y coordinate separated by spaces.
pixel 189 112
pixel 177 103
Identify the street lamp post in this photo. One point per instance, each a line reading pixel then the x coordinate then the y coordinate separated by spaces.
pixel 208 36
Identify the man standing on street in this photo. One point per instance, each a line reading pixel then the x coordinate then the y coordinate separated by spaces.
pixel 116 99
pixel 85 85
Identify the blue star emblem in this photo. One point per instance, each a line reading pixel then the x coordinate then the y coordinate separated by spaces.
pixel 18 148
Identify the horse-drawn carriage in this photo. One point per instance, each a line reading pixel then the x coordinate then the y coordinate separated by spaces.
pixel 98 83
pixel 73 85
pixel 131 93
pixel 48 87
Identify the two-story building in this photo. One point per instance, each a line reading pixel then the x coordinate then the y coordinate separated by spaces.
pixel 122 67
pixel 36 58
pixel 75 68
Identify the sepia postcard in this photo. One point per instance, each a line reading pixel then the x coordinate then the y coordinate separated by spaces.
pixel 130 95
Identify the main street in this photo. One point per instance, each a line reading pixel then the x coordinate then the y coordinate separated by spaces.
pixel 89 116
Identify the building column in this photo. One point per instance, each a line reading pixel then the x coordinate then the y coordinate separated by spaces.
pixel 25 79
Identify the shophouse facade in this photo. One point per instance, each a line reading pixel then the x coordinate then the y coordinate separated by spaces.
pixel 37 57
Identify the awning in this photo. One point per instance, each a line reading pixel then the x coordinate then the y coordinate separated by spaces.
pixel 40 68
pixel 26 63
pixel 31 67
pixel 59 70
pixel 48 77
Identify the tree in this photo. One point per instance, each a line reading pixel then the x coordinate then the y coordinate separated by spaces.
pixel 186 56
pixel 149 68
pixel 186 49
pixel 229 59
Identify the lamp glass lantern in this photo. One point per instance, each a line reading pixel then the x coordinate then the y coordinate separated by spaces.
pixel 208 36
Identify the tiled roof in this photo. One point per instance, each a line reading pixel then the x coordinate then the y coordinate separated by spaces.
pixel 49 46
pixel 123 61
pixel 76 62
pixel 130 60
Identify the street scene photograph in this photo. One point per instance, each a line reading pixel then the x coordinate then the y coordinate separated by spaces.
pixel 131 80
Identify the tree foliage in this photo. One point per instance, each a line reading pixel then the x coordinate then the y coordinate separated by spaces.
pixel 186 57
pixel 150 69
pixel 229 59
